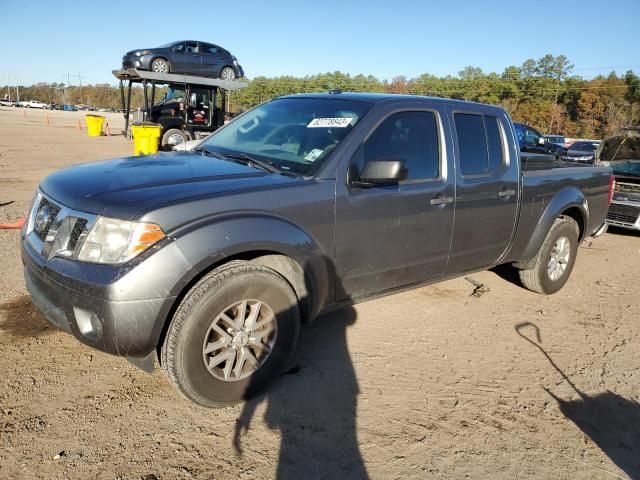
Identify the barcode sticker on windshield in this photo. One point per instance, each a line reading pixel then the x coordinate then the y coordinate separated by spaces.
pixel 313 155
pixel 338 122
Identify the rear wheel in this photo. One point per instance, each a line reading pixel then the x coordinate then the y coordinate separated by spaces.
pixel 555 259
pixel 232 335
pixel 227 73
pixel 173 137
pixel 160 65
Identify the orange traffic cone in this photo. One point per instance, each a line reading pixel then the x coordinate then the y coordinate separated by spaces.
pixel 78 125
pixel 107 130
pixel 46 119
pixel 17 225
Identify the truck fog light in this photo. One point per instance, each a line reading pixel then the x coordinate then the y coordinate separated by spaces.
pixel 88 322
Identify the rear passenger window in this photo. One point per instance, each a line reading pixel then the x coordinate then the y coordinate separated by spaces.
pixel 479 143
pixel 472 144
pixel 494 140
pixel 411 137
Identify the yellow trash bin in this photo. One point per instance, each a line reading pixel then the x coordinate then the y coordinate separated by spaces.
pixel 146 136
pixel 94 125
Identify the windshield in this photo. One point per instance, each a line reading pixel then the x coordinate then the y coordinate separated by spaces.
pixel 293 134
pixel 167 45
pixel 631 168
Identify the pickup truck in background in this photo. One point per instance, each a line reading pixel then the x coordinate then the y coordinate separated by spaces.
pixel 621 151
pixel 210 260
pixel 532 141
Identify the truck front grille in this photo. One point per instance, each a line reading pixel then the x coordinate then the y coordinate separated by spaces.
pixel 78 229
pixel 56 230
pixel 45 215
pixel 627 187
pixel 623 213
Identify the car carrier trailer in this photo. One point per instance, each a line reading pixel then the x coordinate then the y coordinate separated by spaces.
pixel 191 108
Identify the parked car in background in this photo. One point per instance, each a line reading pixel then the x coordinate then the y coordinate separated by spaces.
pixel 7 103
pixel 186 56
pixel 556 140
pixel 582 151
pixel 32 104
pixel 532 141
pixel 213 258
pixel 621 152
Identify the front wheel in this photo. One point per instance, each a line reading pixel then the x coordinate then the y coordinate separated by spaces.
pixel 227 73
pixel 160 65
pixel 232 335
pixel 555 259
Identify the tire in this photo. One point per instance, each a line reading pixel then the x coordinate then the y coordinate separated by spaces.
pixel 170 135
pixel 160 65
pixel 227 73
pixel 191 334
pixel 542 277
pixel 27 106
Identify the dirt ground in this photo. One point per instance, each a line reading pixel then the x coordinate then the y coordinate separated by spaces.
pixel 431 383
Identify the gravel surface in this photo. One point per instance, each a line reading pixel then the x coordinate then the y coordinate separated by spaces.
pixel 431 383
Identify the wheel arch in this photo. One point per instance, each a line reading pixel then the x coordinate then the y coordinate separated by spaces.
pixel 300 262
pixel 569 202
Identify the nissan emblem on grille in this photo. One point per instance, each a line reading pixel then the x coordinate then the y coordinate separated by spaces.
pixel 43 218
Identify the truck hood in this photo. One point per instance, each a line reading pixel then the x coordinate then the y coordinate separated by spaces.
pixel 623 146
pixel 122 187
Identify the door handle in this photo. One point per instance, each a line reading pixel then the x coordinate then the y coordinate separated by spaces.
pixel 506 193
pixel 441 200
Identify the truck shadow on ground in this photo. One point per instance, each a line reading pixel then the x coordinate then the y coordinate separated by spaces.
pixel 19 318
pixel 611 421
pixel 508 273
pixel 314 405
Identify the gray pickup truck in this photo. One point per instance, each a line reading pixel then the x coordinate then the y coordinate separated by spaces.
pixel 210 260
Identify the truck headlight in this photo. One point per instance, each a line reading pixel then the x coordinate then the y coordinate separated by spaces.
pixel 117 241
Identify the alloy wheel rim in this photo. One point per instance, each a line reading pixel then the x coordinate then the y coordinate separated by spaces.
pixel 227 74
pixel 159 67
pixel 559 259
pixel 239 340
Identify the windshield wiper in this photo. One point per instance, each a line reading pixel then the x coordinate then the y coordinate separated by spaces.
pixel 208 153
pixel 244 159
pixel 254 162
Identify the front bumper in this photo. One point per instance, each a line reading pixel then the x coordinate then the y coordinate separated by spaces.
pixel 625 214
pixel 91 310
pixel 133 61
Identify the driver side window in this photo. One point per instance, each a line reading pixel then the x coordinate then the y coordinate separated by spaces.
pixel 412 138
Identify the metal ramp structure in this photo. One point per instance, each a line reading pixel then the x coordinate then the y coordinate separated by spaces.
pixel 129 77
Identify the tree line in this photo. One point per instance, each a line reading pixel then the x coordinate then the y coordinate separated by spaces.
pixel 543 93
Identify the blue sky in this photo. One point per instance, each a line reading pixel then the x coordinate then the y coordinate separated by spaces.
pixel 46 39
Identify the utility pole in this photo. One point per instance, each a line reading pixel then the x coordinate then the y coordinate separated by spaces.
pixel 80 82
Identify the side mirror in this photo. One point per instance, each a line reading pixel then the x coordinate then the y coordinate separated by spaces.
pixel 541 141
pixel 382 172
